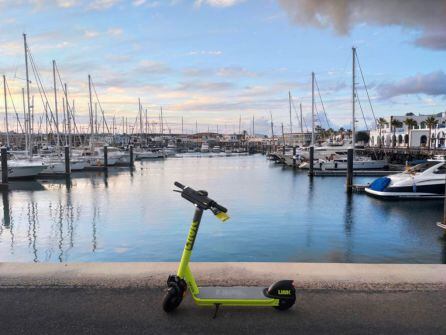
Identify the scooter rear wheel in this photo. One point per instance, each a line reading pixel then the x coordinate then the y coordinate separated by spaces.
pixel 285 304
pixel 172 299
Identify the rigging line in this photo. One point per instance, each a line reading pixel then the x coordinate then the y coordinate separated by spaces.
pixel 365 86
pixel 47 119
pixel 362 111
pixel 322 103
pixel 40 124
pixel 317 114
pixel 70 109
pixel 367 127
pixel 40 86
pixel 13 106
pixel 100 106
pixel 303 118
pixel 74 120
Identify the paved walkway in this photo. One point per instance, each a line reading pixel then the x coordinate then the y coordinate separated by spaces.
pixel 126 299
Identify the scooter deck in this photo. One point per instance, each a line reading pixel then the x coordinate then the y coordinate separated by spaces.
pixel 232 293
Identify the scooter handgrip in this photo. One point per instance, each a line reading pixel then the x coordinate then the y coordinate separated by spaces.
pixel 177 184
pixel 221 208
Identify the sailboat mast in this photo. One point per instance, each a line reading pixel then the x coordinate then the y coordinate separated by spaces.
pixel 68 115
pixel 27 90
pixel 312 108
pixel 272 125
pixel 146 127
pixel 301 119
pixel 6 111
pixel 291 122
pixel 162 121
pixel 55 104
pixel 25 119
pixel 353 97
pixel 140 117
pixel 90 110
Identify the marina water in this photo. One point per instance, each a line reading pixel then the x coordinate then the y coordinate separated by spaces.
pixel 277 214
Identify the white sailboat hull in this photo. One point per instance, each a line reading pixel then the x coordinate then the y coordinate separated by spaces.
pixel 24 169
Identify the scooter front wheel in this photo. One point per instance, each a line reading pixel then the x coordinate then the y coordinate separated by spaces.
pixel 172 299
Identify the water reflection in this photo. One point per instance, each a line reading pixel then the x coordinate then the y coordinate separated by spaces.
pixel 6 210
pixel 134 216
pixel 348 226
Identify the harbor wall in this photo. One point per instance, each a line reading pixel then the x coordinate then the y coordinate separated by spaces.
pixel 338 276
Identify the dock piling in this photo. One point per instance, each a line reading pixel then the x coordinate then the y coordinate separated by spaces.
pixel 4 158
pixel 67 161
pixel 105 157
pixel 294 156
pixel 349 170
pixel 311 173
pixel 131 155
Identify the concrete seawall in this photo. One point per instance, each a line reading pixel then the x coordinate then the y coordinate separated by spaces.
pixel 154 275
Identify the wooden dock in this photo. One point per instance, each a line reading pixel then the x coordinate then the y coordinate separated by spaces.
pixel 343 173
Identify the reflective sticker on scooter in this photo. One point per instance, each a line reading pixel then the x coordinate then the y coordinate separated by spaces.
pixel 284 292
pixel 191 238
pixel 222 216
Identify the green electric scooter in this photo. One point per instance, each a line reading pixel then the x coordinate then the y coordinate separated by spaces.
pixel 280 295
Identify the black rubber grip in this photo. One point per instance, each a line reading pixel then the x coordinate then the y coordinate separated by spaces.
pixel 220 208
pixel 177 184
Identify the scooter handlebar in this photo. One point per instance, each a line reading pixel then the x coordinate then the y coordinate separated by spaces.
pixel 177 184
pixel 200 199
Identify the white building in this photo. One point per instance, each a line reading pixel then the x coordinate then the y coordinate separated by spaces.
pixel 415 138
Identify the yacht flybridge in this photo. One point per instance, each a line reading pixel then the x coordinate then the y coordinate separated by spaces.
pixel 426 180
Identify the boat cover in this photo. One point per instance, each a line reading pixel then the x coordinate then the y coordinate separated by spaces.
pixel 380 184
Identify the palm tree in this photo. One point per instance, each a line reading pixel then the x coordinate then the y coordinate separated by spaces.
pixel 395 124
pixel 381 123
pixel 431 122
pixel 410 123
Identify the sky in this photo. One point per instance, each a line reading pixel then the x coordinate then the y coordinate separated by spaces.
pixel 212 62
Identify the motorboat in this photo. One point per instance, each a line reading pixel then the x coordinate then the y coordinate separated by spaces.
pixel 216 149
pixel 170 150
pixel 204 147
pixel 425 180
pixel 95 158
pixel 341 162
pixel 149 154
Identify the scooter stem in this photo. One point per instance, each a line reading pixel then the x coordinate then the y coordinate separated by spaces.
pixel 187 252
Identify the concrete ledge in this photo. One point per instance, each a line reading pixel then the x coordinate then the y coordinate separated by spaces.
pixel 153 275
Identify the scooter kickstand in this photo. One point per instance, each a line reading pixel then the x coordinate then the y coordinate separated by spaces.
pixel 217 306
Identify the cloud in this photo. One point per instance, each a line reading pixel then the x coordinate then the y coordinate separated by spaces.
pixel 151 67
pixel 434 41
pixel 205 52
pixel 67 3
pixel 217 3
pixel 91 34
pixel 196 72
pixel 115 31
pixel 102 4
pixel 206 86
pixel 433 84
pixel 341 16
pixel 235 71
